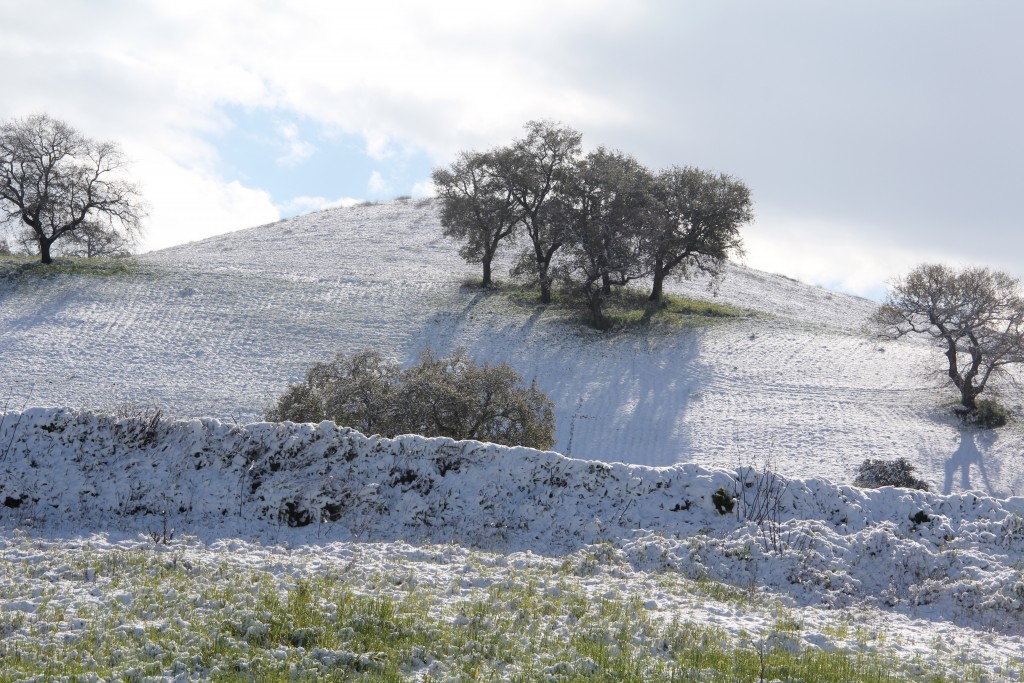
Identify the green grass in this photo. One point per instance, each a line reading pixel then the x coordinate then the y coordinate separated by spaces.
pixel 627 308
pixel 161 613
pixel 25 268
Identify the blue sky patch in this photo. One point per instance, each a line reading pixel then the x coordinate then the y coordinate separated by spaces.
pixel 288 156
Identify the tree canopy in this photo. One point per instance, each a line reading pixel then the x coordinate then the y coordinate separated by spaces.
pixel 597 221
pixel 477 206
pixel 438 396
pixel 701 213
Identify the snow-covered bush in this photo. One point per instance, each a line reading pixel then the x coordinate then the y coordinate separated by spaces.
pixel 873 474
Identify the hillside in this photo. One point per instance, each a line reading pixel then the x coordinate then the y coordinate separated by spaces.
pixel 220 327
pixel 191 549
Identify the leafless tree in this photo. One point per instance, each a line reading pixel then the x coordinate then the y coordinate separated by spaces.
pixel 975 315
pixel 57 182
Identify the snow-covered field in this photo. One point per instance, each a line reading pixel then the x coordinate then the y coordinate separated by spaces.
pixel 218 328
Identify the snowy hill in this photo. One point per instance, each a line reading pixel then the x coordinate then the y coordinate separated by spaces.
pixel 220 327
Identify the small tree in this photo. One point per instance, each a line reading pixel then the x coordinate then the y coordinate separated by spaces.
pixel 93 241
pixel 477 207
pixel 452 397
pixel 357 392
pixel 701 213
pixel 57 182
pixel 540 165
pixel 458 398
pixel 611 206
pixel 975 315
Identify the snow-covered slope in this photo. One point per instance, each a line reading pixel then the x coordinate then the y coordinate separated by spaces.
pixel 219 328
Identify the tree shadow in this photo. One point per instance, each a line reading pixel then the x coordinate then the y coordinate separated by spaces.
pixel 970 452
pixel 619 396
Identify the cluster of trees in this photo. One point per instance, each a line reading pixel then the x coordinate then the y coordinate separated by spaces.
pixel 64 193
pixel 594 221
pixel 975 315
pixel 451 396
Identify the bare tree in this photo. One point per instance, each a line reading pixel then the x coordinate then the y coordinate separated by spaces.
pixel 477 206
pixel 56 182
pixel 611 206
pixel 975 315
pixel 701 216
pixel 93 240
pixel 540 164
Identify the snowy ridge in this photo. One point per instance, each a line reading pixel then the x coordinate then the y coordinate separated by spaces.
pixel 955 557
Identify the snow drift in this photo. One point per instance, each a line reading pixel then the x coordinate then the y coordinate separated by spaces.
pixel 954 556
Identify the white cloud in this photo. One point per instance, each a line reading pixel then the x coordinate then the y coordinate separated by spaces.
pixel 377 184
pixel 297 149
pixel 810 103
pixel 824 252
pixel 189 204
pixel 424 188
pixel 306 204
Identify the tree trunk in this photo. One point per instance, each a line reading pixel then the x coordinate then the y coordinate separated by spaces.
pixel 44 251
pixel 968 397
pixel 659 281
pixel 606 285
pixel 487 273
pixel 545 290
pixel 597 316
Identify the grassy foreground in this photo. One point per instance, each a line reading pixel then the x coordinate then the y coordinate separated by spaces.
pixel 84 614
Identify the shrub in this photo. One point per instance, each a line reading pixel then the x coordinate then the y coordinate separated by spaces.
pixel 453 397
pixel 987 414
pixel 357 392
pixel 723 501
pixel 875 473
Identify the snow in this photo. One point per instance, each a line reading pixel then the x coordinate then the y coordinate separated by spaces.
pixel 655 422
pixel 918 565
pixel 220 327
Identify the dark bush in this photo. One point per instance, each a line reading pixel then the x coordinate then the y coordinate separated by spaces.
pixel 875 473
pixel 986 414
pixel 451 396
pixel 723 501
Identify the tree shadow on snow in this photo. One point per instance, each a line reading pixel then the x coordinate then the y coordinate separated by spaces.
pixel 619 397
pixel 970 453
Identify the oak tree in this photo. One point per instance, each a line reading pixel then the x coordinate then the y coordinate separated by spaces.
pixel 57 183
pixel 477 206
pixel 541 164
pixel 701 214
pixel 975 315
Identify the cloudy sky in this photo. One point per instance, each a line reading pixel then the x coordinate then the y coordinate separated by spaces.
pixel 874 135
